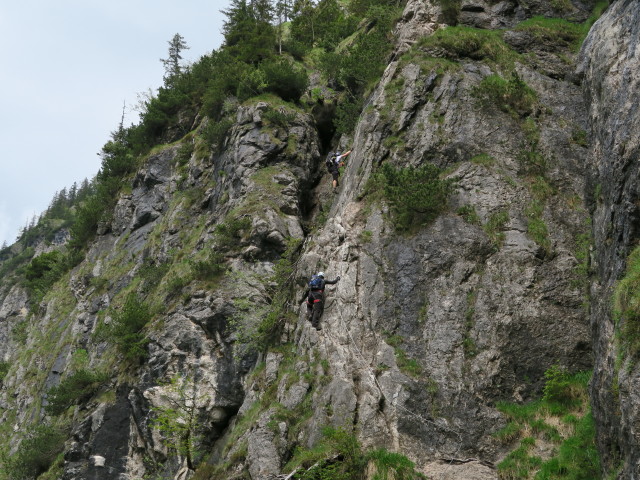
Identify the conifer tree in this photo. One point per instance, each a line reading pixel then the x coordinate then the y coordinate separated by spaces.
pixel 248 32
pixel 172 67
pixel 84 190
pixel 284 9
pixel 73 191
pixel 303 25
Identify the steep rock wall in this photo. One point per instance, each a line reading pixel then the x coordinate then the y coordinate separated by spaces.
pixel 482 319
pixel 609 64
pixel 170 219
pixel 424 333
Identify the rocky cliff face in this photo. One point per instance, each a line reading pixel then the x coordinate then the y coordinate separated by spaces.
pixel 426 331
pixel 608 61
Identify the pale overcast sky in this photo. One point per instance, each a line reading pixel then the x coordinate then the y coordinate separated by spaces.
pixel 68 67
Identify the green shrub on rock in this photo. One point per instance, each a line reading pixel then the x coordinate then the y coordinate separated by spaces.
pixel 511 95
pixel 565 402
pixel 4 370
pixel 126 329
pixel 417 195
pixel 42 272
pixel 285 79
pixel 210 268
pixel 36 453
pixel 627 308
pixel 73 389
pixel 339 456
pixel 455 43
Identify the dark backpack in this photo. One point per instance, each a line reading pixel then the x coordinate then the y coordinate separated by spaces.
pixel 316 282
pixel 330 162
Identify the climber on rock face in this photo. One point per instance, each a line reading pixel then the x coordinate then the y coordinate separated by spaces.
pixel 334 162
pixel 315 298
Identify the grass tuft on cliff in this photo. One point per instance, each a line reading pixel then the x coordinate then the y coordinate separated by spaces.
pixel 627 308
pixel 562 420
pixel 511 95
pixel 339 455
pixel 554 31
pixel 416 195
pixel 459 42
pixel 36 453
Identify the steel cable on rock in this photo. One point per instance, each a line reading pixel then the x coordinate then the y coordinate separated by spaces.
pixel 359 356
pixel 368 366
pixel 353 348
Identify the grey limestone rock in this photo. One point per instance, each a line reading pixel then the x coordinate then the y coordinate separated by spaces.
pixel 426 330
pixel 607 65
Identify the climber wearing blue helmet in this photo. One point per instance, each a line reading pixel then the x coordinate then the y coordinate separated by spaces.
pixel 314 296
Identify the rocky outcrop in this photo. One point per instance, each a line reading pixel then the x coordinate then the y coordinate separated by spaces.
pixel 173 208
pixel 427 330
pixel 481 318
pixel 420 19
pixel 13 311
pixel 608 63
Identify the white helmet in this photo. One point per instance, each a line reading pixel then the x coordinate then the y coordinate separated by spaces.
pixel 321 274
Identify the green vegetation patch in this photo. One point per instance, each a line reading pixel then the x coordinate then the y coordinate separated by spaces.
pixel 42 272
pixel 215 132
pixel 264 178
pixel 151 274
pixel 494 227
pixel 230 232
pixel 483 159
pixel 518 464
pixel 408 366
pixel 555 31
pixel 598 10
pixel 267 195
pixel 532 161
pixel 427 62
pixel 627 308
pixel 577 456
pixel 74 389
pixel 11 262
pixel 356 66
pixel 510 95
pixel 4 370
pixel 126 329
pixel 281 288
pixel 279 116
pixel 210 268
pixel 561 417
pixel 177 420
pixel 259 325
pixel 416 195
pixel 536 226
pixel 461 42
pixel 559 33
pixel 339 456
pixel 468 212
pixel 183 155
pixel 38 450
